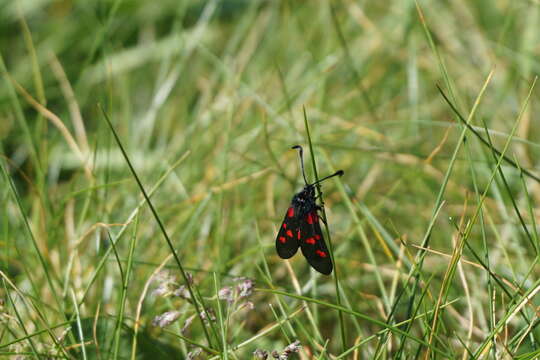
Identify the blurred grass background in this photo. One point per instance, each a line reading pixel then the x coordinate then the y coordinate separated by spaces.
pixel 207 98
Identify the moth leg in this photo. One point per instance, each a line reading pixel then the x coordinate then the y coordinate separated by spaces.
pixel 319 197
pixel 324 222
pixel 319 208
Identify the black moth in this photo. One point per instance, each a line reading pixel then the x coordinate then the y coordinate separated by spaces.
pixel 301 226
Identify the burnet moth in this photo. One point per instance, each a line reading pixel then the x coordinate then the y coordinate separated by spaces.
pixel 301 226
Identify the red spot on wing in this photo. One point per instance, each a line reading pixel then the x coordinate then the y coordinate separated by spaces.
pixel 284 225
pixel 290 212
pixel 321 253
pixel 309 219
pixel 317 237
pixel 282 239
pixel 298 234
pixel 289 233
pixel 311 241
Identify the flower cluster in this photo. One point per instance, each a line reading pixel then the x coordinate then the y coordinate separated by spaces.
pixel 168 285
pixel 283 355
pixel 243 289
pixel 166 318
pixel 235 295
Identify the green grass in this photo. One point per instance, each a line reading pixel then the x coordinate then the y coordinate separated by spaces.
pixel 145 167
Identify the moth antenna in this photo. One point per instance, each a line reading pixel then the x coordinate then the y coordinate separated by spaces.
pixel 337 173
pixel 301 154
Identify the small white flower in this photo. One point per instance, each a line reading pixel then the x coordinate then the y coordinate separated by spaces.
pixel 226 293
pixel 187 323
pixel 245 287
pixel 182 292
pixel 211 315
pixel 166 318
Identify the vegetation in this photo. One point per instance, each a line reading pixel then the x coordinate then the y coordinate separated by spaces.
pixel 146 166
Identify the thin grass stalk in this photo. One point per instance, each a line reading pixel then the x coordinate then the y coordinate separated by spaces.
pixel 328 236
pixel 393 329
pixel 163 231
pixel 125 286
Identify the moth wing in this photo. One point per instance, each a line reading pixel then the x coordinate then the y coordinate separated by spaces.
pixel 313 245
pixel 287 240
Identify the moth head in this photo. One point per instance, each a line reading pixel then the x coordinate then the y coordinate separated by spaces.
pixel 307 192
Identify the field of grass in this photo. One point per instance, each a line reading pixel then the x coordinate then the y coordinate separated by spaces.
pixel 146 166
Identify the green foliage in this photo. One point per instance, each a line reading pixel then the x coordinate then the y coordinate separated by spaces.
pixel 145 167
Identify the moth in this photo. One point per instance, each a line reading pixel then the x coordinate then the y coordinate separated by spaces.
pixel 301 226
